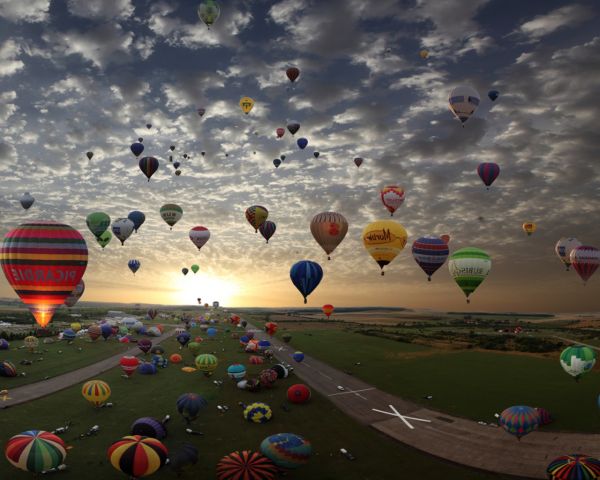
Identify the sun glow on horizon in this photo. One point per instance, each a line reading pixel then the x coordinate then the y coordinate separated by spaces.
pixel 192 286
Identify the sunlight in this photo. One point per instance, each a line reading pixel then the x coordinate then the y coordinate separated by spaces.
pixel 208 288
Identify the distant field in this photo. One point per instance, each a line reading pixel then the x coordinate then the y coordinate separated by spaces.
pixel 468 383
pixel 378 458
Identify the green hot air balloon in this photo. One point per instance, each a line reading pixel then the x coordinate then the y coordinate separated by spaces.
pixel 209 12
pixel 195 268
pixel 98 223
pixel 469 266
pixel 104 239
pixel 577 360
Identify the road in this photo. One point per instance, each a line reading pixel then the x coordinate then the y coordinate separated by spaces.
pixel 33 391
pixel 458 440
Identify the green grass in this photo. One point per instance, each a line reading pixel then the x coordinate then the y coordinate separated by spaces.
pixel 378 458
pixel 55 363
pixel 456 378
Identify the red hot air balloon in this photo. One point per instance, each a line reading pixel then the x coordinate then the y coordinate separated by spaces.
pixel 129 364
pixel 271 328
pixel 445 238
pixel 292 73
pixel 280 132
pixel 43 261
pixel 585 260
pixel 328 310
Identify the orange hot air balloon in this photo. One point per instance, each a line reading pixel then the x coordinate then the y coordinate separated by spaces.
pixel 529 228
pixel 43 261
pixel 328 310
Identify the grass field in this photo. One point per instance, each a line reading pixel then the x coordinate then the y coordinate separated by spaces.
pixel 378 458
pixel 455 378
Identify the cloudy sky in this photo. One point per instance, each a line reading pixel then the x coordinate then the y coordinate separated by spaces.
pixel 78 76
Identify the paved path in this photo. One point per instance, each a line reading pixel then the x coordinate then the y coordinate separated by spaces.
pixel 33 391
pixel 458 440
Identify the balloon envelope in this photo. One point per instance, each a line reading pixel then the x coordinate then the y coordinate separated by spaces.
pixel 256 216
pixel 26 200
pixel 488 172
pixel 122 228
pixel 246 103
pixel 76 294
pixel 209 12
pixel 199 235
pixel 138 218
pixel 430 253
pixel 384 240
pixel 392 197
pixel 585 260
pixel 306 276
pixel 292 73
pixel 148 165
pixel 463 102
pixel 267 229
pixel 171 213
pixel 563 249
pixel 469 267
pixel 302 143
pixel 329 229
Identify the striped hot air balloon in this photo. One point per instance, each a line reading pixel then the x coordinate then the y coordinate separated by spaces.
pixel 171 214
pixel 430 253
pixel 286 450
pixel 488 172
pixel 267 229
pixel 258 412
pixel 96 392
pixel 137 456
pixel 149 427
pixel 577 360
pixel 575 466
pixel 35 451
pixel 463 101
pixel 519 420
pixel 129 364
pixel 148 165
pixel 585 261
pixel 256 360
pixel 246 465
pixel 256 216
pixel 206 363
pixel 469 267
pixel 189 405
pixel 306 276
pixel 7 369
pixel 43 262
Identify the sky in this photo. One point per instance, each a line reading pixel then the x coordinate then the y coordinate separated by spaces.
pixel 78 76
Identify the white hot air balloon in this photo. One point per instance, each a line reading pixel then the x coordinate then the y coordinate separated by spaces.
pixel 122 228
pixel 563 249
pixel 199 236
pixel 463 101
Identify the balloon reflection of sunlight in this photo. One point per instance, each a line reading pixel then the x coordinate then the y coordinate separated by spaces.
pixel 190 287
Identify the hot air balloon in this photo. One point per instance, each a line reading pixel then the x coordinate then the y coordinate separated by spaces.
pixel 329 229
pixel 256 216
pixel 137 149
pixel 35 451
pixel 585 261
pixel 271 328
pixel 7 369
pixel 176 165
pixel 76 294
pixel 574 467
pixel 206 362
pixel 94 332
pixel 430 253
pixel 104 239
pixel 298 393
pixel 529 228
pixel 246 465
pixel 148 126
pixel 89 155
pixel 327 309
pixel 493 95
pixel 384 240
pixel 276 162
pixel 463 101
pixel 195 268
pixel 148 165
pixel 298 356
pixel 577 360
pixel 358 162
pixel 184 271
pixel 152 313
pixel 43 262
pixel 208 12
pixel 129 364
pixel 306 276
pixel 316 154
pixel 137 456
pixel 267 229
pixel 563 249
pixel 519 420
pixel 302 143
pixel 134 265
pixel 445 238
pixel 189 405
pixel 286 450
pixel 292 74
pixel 98 223
pixel 246 103
pixel 280 132
pixel 96 392
pixel 144 345
pixel 183 338
pixel 171 214
pixel 138 219
pixel 199 236
pixel 392 197
pixel 148 427
pixel 469 267
pixel 122 228
pixel 201 111
pixel 27 200
pixel 488 172
pixel 258 412
pixel 423 54
pixel 282 157
pixel 293 127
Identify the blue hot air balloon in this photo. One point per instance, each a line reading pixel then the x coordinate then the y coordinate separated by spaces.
pixel 137 148
pixel 493 95
pixel 306 276
pixel 134 265
pixel 183 338
pixel 302 143
pixel 138 219
pixel 211 332
pixel 298 356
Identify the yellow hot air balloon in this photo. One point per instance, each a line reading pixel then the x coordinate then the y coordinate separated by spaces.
pixel 529 228
pixel 424 54
pixel 246 103
pixel 96 392
pixel 76 326
pixel 384 239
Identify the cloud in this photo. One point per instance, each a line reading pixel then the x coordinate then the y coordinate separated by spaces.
pixel 101 9
pixel 9 63
pixel 567 16
pixel 31 11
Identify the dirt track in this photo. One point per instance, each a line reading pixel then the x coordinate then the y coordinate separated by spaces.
pixel 455 439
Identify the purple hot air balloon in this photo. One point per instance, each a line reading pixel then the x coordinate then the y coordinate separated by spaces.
pixel 488 172
pixel 144 345
pixel 430 253
pixel 267 229
pixel 148 165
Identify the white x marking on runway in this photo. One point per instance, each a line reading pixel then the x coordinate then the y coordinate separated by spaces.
pixel 396 413
pixel 355 392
